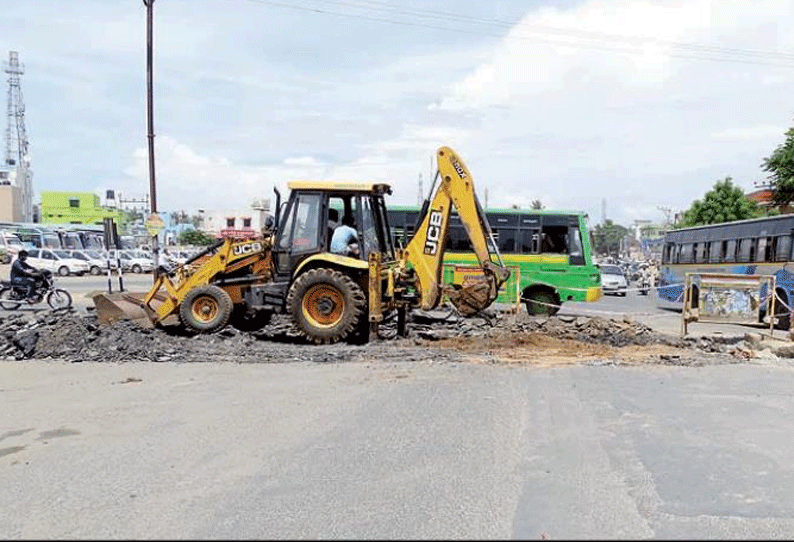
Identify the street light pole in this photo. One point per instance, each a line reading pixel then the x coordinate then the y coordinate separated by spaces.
pixel 150 118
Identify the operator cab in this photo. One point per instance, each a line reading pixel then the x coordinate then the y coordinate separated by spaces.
pixel 313 212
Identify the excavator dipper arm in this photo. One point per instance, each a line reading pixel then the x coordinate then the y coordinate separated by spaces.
pixel 425 251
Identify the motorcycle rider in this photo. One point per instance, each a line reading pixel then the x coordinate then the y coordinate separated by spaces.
pixel 24 274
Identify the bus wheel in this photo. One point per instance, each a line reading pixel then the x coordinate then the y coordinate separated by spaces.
pixel 541 303
pixel 782 313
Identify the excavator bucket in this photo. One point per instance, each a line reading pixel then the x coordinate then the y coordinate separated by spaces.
pixel 471 298
pixel 112 308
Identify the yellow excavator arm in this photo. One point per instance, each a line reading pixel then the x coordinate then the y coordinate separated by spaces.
pixel 425 251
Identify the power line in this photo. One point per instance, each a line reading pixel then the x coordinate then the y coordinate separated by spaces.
pixel 566 38
pixel 590 34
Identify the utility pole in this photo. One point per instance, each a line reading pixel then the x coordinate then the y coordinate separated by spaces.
pixel 150 118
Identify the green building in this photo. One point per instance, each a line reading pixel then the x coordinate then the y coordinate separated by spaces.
pixel 74 208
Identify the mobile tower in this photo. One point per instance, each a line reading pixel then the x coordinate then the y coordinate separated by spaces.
pixel 17 153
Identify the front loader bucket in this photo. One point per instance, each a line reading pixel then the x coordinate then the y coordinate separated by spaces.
pixel 112 308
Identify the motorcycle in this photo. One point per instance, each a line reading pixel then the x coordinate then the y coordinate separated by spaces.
pixel 645 286
pixel 12 296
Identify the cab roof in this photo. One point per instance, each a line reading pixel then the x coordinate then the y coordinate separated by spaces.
pixel 340 186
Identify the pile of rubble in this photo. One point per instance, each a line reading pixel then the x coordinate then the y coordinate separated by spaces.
pixel 66 335
pixel 590 329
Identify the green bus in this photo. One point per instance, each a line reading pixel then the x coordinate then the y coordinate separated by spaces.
pixel 547 252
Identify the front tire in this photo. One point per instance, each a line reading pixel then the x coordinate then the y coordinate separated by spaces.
pixel 7 299
pixel 59 299
pixel 206 309
pixel 95 270
pixel 137 269
pixel 63 271
pixel 326 305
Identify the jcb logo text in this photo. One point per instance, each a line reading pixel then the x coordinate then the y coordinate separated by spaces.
pixel 433 232
pixel 248 248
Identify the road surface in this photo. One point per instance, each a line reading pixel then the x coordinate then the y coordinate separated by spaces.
pixel 398 450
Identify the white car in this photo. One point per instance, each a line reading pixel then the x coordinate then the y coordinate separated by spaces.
pixel 613 281
pixel 11 243
pixel 57 261
pixel 131 262
pixel 96 260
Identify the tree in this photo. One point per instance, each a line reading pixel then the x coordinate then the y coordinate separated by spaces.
pixel 607 237
pixel 536 205
pixel 725 202
pixel 780 165
pixel 195 237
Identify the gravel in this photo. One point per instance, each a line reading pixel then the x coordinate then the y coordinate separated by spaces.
pixel 67 335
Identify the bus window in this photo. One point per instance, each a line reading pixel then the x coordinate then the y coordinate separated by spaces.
pixel 529 241
pixel 397 235
pixel 506 240
pixel 576 252
pixel 730 250
pixel 686 253
pixel 554 239
pixel 782 248
pixel 702 254
pixel 746 250
pixel 765 250
pixel 458 240
pixel 717 252
pixel 667 255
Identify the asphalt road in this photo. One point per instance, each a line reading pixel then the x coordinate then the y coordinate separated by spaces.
pixel 401 450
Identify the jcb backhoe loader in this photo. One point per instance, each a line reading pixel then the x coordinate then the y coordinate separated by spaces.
pixel 330 297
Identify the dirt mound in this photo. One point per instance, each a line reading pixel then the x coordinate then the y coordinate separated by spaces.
pixel 437 336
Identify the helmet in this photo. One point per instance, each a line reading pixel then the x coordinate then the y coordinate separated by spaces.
pixel 23 254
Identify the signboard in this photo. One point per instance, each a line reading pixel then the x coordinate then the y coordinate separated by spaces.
pixel 728 298
pixel 154 224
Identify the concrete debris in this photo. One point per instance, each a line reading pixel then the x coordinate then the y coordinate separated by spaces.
pixel 66 335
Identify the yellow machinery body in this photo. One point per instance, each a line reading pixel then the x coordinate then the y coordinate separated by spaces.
pixel 330 296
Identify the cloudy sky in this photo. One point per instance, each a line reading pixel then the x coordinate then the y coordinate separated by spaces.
pixel 641 103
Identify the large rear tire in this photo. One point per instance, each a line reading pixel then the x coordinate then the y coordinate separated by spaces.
pixel 59 299
pixel 7 299
pixel 326 305
pixel 541 303
pixel 206 309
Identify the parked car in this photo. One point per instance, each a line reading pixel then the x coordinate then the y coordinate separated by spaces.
pixel 10 244
pixel 98 263
pixel 57 261
pixel 131 262
pixel 613 281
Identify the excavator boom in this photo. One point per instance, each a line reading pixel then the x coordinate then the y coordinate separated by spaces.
pixel 425 251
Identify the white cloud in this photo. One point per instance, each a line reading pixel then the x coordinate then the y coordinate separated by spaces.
pixel 606 99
